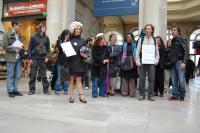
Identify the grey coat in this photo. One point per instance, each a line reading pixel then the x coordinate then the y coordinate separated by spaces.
pixel 8 40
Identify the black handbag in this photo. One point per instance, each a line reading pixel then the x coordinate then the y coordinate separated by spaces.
pixel 127 63
pixel 65 74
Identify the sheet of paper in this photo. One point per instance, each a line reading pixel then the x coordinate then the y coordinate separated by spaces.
pixel 68 49
pixel 18 44
pixel 148 54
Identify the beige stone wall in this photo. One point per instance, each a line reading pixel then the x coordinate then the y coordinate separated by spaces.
pixel 91 24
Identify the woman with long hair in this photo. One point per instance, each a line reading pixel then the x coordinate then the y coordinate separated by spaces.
pixel 128 71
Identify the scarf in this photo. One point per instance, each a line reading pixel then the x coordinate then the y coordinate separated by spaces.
pixel 125 45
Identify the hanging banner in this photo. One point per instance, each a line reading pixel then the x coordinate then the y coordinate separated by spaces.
pixel 116 7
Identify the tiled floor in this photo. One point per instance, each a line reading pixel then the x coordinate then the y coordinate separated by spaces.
pixel 54 114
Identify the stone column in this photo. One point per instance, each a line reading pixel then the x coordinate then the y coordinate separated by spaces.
pixel 1 7
pixel 154 12
pixel 60 14
pixel 54 19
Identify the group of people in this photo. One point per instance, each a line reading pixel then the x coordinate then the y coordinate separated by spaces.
pixel 110 65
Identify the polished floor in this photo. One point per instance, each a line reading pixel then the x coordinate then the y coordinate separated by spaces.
pixel 54 114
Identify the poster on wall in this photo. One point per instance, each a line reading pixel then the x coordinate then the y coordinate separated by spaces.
pixel 24 8
pixel 116 7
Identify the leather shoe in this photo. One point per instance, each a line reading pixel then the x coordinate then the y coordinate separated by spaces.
pixel 17 93
pixel 11 94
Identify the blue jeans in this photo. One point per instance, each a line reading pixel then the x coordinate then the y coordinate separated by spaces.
pixel 178 80
pixel 57 86
pixel 87 75
pixel 13 75
pixel 97 82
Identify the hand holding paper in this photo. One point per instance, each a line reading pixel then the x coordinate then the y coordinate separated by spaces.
pixel 17 44
pixel 68 49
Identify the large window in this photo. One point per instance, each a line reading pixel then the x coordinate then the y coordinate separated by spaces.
pixel 195 36
pixel 136 34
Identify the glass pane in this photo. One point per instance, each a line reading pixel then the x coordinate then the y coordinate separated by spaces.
pixel 136 38
pixel 198 37
pixel 192 57
pixel 194 34
pixel 191 48
pixel 197 59
pixel 135 33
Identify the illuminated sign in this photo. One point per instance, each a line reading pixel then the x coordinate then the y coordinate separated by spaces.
pixel 26 8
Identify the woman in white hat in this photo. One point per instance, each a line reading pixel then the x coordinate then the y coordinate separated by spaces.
pixel 76 65
pixel 100 55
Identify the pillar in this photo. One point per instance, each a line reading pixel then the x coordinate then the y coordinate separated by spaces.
pixel 60 14
pixel 154 12
pixel 1 7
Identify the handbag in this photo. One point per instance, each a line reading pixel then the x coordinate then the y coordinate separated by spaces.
pixel 65 74
pixel 127 63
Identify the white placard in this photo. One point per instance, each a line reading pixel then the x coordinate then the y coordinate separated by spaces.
pixel 17 44
pixel 68 49
pixel 148 54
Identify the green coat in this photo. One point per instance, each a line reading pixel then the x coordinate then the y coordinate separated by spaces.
pixel 9 39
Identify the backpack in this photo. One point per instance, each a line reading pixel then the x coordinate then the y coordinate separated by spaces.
pixel 170 58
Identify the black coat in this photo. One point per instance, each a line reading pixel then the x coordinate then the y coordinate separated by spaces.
pixel 162 54
pixel 129 74
pixel 99 54
pixel 76 63
pixel 114 57
pixel 62 58
pixel 39 44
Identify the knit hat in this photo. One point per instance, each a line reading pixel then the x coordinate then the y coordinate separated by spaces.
pixel 74 25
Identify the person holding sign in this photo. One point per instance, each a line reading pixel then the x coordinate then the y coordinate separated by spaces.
pixel 14 53
pixel 76 63
pixel 147 56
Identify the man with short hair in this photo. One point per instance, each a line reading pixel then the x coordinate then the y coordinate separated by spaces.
pixel 39 49
pixel 178 44
pixel 13 57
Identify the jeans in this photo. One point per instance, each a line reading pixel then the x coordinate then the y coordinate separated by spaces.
pixel 57 86
pixel 37 64
pixel 178 80
pixel 13 75
pixel 97 82
pixel 87 75
pixel 150 70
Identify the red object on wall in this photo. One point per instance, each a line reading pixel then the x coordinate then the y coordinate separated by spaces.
pixel 198 51
pixel 27 8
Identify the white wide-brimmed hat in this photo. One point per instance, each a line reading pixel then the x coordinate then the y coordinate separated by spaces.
pixel 99 35
pixel 74 25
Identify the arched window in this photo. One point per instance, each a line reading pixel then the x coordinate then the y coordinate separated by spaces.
pixel 195 36
pixel 169 34
pixel 136 34
pixel 119 36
